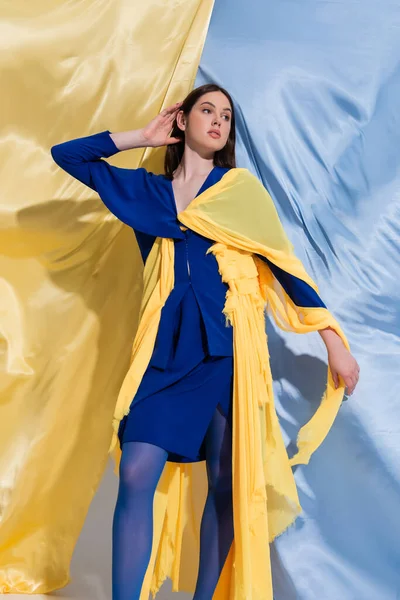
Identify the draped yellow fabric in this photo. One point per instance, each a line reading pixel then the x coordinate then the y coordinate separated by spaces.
pixel 70 272
pixel 239 215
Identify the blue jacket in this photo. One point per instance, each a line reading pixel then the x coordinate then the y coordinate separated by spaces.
pixel 145 201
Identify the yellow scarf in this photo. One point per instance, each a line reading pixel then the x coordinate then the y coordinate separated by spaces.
pixel 240 216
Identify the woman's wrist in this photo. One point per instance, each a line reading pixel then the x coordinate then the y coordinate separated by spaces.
pixel 331 339
pixel 126 140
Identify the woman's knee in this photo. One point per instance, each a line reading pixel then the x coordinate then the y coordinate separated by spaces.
pixel 141 467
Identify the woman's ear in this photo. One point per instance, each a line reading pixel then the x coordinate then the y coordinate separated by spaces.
pixel 181 120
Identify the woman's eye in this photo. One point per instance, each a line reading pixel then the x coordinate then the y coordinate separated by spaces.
pixel 226 117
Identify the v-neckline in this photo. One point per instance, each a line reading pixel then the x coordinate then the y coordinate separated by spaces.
pixel 198 193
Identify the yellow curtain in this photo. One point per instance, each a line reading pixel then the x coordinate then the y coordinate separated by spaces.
pixel 70 273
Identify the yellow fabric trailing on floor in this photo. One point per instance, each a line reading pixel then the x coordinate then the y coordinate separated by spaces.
pixel 239 215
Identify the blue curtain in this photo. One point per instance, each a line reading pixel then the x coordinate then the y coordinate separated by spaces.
pixel 317 90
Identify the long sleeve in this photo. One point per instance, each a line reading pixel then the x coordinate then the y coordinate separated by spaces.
pixel 297 289
pixel 79 157
pixel 136 197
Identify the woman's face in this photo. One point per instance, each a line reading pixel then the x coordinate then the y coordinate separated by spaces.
pixel 208 124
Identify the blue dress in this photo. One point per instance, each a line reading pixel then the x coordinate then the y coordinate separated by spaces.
pixel 190 373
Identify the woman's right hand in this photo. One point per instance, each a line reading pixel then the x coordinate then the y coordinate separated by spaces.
pixel 156 133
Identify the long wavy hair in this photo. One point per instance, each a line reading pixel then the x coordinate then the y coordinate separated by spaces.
pixel 222 158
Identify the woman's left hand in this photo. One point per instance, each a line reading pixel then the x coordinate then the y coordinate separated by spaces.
pixel 343 364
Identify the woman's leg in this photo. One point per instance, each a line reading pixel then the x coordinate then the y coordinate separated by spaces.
pixel 140 469
pixel 216 532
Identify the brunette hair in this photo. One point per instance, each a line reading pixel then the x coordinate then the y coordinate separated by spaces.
pixel 222 158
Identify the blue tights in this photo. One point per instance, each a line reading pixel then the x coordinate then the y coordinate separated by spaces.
pixel 140 469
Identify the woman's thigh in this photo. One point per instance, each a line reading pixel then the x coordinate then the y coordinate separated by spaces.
pixel 218 446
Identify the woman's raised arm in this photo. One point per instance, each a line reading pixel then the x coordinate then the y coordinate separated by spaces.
pixel 121 190
pixel 136 197
pixel 76 156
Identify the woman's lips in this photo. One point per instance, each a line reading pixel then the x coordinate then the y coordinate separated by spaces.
pixel 214 135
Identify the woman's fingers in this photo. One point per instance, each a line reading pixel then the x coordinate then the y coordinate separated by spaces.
pixel 171 110
pixel 347 375
pixel 176 106
pixel 353 377
pixel 350 380
pixel 348 384
pixel 173 140
pixel 167 119
pixel 351 383
pixel 171 118
pixel 335 379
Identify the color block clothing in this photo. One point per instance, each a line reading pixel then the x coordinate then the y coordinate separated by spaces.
pixel 191 369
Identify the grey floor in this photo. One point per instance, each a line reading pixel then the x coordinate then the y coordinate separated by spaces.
pixel 91 563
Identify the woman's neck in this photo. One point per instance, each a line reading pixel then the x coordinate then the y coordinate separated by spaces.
pixel 193 166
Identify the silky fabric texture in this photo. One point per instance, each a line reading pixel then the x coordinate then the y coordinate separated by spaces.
pixel 318 122
pixel 70 272
pixel 265 500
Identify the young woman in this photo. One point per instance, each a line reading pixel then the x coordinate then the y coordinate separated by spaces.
pixel 182 411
